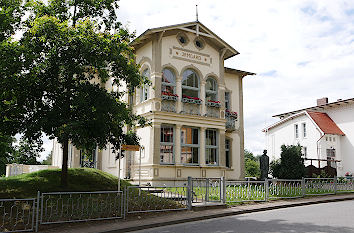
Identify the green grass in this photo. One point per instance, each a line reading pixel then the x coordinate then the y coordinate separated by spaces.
pixel 79 179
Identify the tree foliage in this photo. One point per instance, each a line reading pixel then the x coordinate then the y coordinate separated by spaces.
pixel 252 164
pixel 56 81
pixel 290 165
pixel 26 152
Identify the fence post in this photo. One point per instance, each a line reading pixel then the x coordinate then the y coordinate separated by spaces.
pixel 189 193
pixel 303 186
pixel 37 210
pixel 223 189
pixel 206 190
pixel 125 201
pixel 335 184
pixel 266 186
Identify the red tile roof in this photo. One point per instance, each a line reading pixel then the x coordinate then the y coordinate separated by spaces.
pixel 326 124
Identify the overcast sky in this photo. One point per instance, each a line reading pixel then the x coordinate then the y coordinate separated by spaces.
pixel 300 50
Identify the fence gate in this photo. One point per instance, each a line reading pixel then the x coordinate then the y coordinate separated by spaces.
pixel 206 190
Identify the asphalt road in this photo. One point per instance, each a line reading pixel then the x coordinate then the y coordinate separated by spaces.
pixel 329 217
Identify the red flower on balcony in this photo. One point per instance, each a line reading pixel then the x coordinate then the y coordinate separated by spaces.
pixel 168 93
pixel 212 101
pixel 189 97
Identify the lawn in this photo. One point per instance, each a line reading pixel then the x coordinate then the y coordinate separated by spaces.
pixel 79 179
pixel 67 206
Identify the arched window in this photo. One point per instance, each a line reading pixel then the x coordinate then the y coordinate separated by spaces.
pixel 144 94
pixel 168 83
pixel 211 90
pixel 190 84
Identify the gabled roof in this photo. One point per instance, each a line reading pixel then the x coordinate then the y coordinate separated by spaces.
pixel 194 27
pixel 318 108
pixel 321 120
pixel 325 123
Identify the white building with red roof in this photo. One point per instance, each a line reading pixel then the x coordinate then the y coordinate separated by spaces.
pixel 325 131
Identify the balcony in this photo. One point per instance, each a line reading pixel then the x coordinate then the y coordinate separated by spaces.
pixel 168 103
pixel 213 109
pixel 231 118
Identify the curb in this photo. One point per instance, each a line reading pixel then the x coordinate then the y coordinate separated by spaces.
pixel 231 213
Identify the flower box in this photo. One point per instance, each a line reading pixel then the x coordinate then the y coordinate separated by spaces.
pixel 215 104
pixel 191 100
pixel 169 96
pixel 231 114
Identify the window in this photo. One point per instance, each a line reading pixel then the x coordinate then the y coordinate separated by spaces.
pixel 166 144
pixel 211 90
pixel 190 84
pixel 145 88
pixel 189 145
pixel 304 151
pixel 227 101
pixel 304 130
pixel 168 81
pixel 211 147
pixel 296 129
pixel 331 153
pixel 227 153
pixel 334 139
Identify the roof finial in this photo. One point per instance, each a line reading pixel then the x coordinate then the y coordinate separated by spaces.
pixel 196 12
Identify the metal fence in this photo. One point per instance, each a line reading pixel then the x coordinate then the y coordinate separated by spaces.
pixel 141 199
pixel 17 215
pixel 243 191
pixel 282 188
pixel 59 207
pixel 206 190
pixel 320 186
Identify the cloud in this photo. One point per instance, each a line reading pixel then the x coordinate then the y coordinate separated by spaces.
pixel 301 50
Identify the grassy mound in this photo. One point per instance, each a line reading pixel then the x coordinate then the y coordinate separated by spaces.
pixel 79 179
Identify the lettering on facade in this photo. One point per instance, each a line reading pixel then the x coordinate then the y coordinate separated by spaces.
pixel 190 56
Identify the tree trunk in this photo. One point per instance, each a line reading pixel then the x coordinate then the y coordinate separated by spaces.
pixel 64 167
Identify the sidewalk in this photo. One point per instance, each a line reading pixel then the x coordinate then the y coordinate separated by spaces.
pixel 144 221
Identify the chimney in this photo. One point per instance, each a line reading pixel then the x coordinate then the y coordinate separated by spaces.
pixel 322 101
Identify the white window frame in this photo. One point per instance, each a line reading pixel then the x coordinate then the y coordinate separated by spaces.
pixel 212 147
pixel 296 131
pixel 168 143
pixel 144 93
pixel 183 144
pixel 169 84
pixel 184 78
pixel 304 130
pixel 215 92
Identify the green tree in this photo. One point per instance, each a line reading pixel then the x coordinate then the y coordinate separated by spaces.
pixel 68 53
pixel 290 165
pixel 252 164
pixel 26 152
pixel 5 152
pixel 48 159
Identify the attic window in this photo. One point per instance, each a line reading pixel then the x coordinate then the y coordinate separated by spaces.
pixel 182 39
pixel 199 43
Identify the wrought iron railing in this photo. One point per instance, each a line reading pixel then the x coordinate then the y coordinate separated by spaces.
pixel 230 123
pixel 158 198
pixel 17 215
pixel 59 207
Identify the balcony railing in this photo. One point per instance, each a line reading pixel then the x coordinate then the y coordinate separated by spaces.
pixel 230 123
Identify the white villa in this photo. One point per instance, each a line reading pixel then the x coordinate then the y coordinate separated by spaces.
pixel 195 105
pixel 325 131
